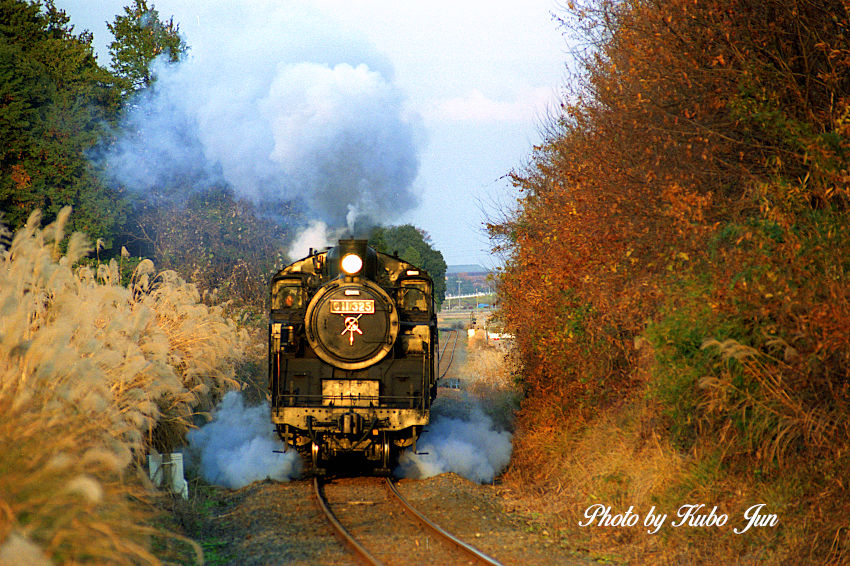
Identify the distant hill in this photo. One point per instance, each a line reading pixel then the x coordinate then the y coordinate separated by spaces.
pixel 468 269
pixel 470 278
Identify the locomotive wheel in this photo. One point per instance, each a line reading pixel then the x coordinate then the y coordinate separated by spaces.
pixel 387 459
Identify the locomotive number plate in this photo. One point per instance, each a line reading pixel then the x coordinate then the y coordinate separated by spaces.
pixel 353 306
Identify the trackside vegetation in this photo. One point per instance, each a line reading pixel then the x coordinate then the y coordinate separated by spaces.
pixel 94 375
pixel 678 280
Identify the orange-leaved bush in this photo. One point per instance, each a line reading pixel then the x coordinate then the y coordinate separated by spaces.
pixel 694 188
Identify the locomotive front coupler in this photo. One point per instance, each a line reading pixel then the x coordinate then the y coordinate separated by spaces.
pixel 350 423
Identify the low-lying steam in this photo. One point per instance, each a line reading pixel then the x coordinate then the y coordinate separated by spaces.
pixel 465 441
pixel 239 446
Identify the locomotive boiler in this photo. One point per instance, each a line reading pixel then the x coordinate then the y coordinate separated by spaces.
pixel 352 354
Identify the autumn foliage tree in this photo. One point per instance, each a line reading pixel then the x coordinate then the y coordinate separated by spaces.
pixel 693 188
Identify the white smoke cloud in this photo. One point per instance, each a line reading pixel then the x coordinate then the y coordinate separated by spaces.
pixel 238 446
pixel 279 103
pixel 468 445
pixel 317 236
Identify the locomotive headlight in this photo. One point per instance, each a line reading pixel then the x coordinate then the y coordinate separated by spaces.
pixel 351 263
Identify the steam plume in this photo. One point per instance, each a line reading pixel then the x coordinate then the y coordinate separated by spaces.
pixel 239 447
pixel 278 107
pixel 468 444
pixel 316 236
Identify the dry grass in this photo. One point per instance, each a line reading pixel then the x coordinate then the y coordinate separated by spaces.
pixel 491 380
pixel 777 419
pixel 623 456
pixel 92 375
pixel 616 460
pixel 619 460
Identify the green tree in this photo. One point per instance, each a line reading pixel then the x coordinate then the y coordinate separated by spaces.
pixel 141 37
pixel 414 245
pixel 55 106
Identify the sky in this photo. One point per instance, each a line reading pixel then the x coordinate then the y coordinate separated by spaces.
pixel 455 92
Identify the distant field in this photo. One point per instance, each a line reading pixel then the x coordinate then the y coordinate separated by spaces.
pixel 463 315
pixel 469 302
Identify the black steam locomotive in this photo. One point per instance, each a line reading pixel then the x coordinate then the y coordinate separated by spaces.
pixel 352 354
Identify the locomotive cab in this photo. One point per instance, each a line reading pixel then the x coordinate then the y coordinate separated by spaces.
pixel 352 353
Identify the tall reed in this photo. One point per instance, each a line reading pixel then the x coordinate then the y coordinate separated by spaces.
pixel 92 375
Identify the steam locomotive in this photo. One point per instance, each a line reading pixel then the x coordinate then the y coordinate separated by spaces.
pixel 352 354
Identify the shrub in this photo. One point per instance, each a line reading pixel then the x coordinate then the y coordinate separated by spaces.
pixel 693 189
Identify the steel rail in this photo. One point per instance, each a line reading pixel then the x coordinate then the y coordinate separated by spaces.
pixel 452 357
pixel 451 332
pixel 471 550
pixel 341 531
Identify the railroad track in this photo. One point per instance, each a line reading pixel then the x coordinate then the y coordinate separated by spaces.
pixel 453 339
pixel 417 552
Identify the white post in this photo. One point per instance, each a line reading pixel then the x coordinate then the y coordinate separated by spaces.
pixel 168 469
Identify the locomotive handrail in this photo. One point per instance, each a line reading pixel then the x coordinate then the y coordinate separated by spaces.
pixel 319 397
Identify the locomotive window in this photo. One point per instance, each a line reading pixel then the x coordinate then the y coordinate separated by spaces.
pixel 414 295
pixel 287 295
